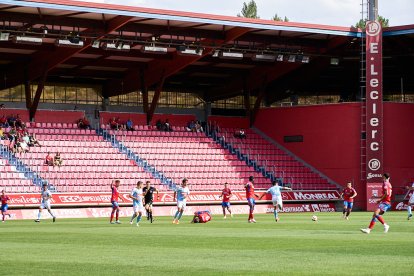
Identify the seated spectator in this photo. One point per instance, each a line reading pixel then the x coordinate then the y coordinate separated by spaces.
pixel 2 135
pixel 26 138
pixel 240 134
pixel 49 159
pixel 159 124
pixel 13 134
pixel 83 123
pixel 167 126
pixel 198 127
pixel 114 123
pixel 191 126
pixel 129 125
pixel 18 122
pixel 1 106
pixel 33 141
pixel 3 121
pixel 11 120
pixel 23 147
pixel 57 160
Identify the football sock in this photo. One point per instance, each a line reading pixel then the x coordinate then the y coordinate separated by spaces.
pixel 380 219
pixel 176 215
pixel 39 214
pixel 343 212
pixel 150 215
pixel 409 210
pixel 133 216
pixel 112 214
pixel 180 214
pixel 3 216
pixel 372 224
pixel 139 218
pixel 50 212
pixel 117 214
pixel 275 213
pixel 348 212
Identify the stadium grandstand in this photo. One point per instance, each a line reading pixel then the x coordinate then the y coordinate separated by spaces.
pixel 144 94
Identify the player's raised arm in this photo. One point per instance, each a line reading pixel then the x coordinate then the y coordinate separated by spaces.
pixel 286 188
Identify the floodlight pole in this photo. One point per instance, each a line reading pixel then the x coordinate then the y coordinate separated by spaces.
pixel 372 10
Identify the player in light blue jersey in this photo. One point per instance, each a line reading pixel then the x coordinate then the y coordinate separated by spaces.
pixel 136 195
pixel 275 191
pixel 182 194
pixel 45 197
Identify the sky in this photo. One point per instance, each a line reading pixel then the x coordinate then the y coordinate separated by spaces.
pixel 329 12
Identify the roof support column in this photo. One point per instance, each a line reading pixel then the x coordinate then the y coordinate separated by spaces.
pixel 39 91
pixel 246 94
pixel 144 91
pixel 259 100
pixel 27 91
pixel 155 99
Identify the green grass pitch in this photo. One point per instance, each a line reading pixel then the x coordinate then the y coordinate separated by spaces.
pixel 294 246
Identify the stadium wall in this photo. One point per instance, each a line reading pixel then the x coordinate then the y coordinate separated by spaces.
pixel 331 139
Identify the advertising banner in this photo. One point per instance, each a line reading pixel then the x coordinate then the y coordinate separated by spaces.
pixel 374 106
pixel 197 197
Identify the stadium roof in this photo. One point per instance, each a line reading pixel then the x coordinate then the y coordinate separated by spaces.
pixel 214 56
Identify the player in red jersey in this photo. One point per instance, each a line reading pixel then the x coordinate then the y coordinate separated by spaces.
pixel 4 205
pixel 226 195
pixel 348 194
pixel 384 205
pixel 114 200
pixel 250 198
pixel 201 217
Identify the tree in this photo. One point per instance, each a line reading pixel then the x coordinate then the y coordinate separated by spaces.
pixel 249 10
pixel 277 18
pixel 362 23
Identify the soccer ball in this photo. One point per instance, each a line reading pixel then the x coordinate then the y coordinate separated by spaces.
pixel 314 218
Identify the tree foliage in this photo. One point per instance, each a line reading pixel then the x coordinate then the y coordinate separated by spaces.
pixel 362 23
pixel 249 10
pixel 278 18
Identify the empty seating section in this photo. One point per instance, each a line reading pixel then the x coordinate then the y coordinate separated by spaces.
pixel 13 181
pixel 276 160
pixel 180 154
pixel 89 162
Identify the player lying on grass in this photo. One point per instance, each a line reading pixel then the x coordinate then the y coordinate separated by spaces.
pixel 201 217
pixel 384 205
pixel 276 198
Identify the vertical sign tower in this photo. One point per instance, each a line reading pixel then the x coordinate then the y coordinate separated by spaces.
pixel 374 106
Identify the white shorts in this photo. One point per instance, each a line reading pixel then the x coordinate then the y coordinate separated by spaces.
pixel 45 205
pixel 277 201
pixel 138 208
pixel 181 204
pixel 411 200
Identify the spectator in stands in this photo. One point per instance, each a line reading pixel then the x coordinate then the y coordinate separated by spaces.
pixel 198 126
pixel 18 122
pixel 49 159
pixel 33 141
pixel 167 126
pixel 11 120
pixel 114 123
pixel 23 146
pixel 129 125
pixel 2 135
pixel 159 124
pixel 26 138
pixel 1 106
pixel 57 160
pixel 13 135
pixel 3 121
pixel 191 126
pixel 240 134
pixel 83 123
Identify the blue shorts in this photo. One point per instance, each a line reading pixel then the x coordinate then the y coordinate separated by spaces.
pixel 115 204
pixel 348 204
pixel 225 204
pixel 4 207
pixel 384 207
pixel 251 201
